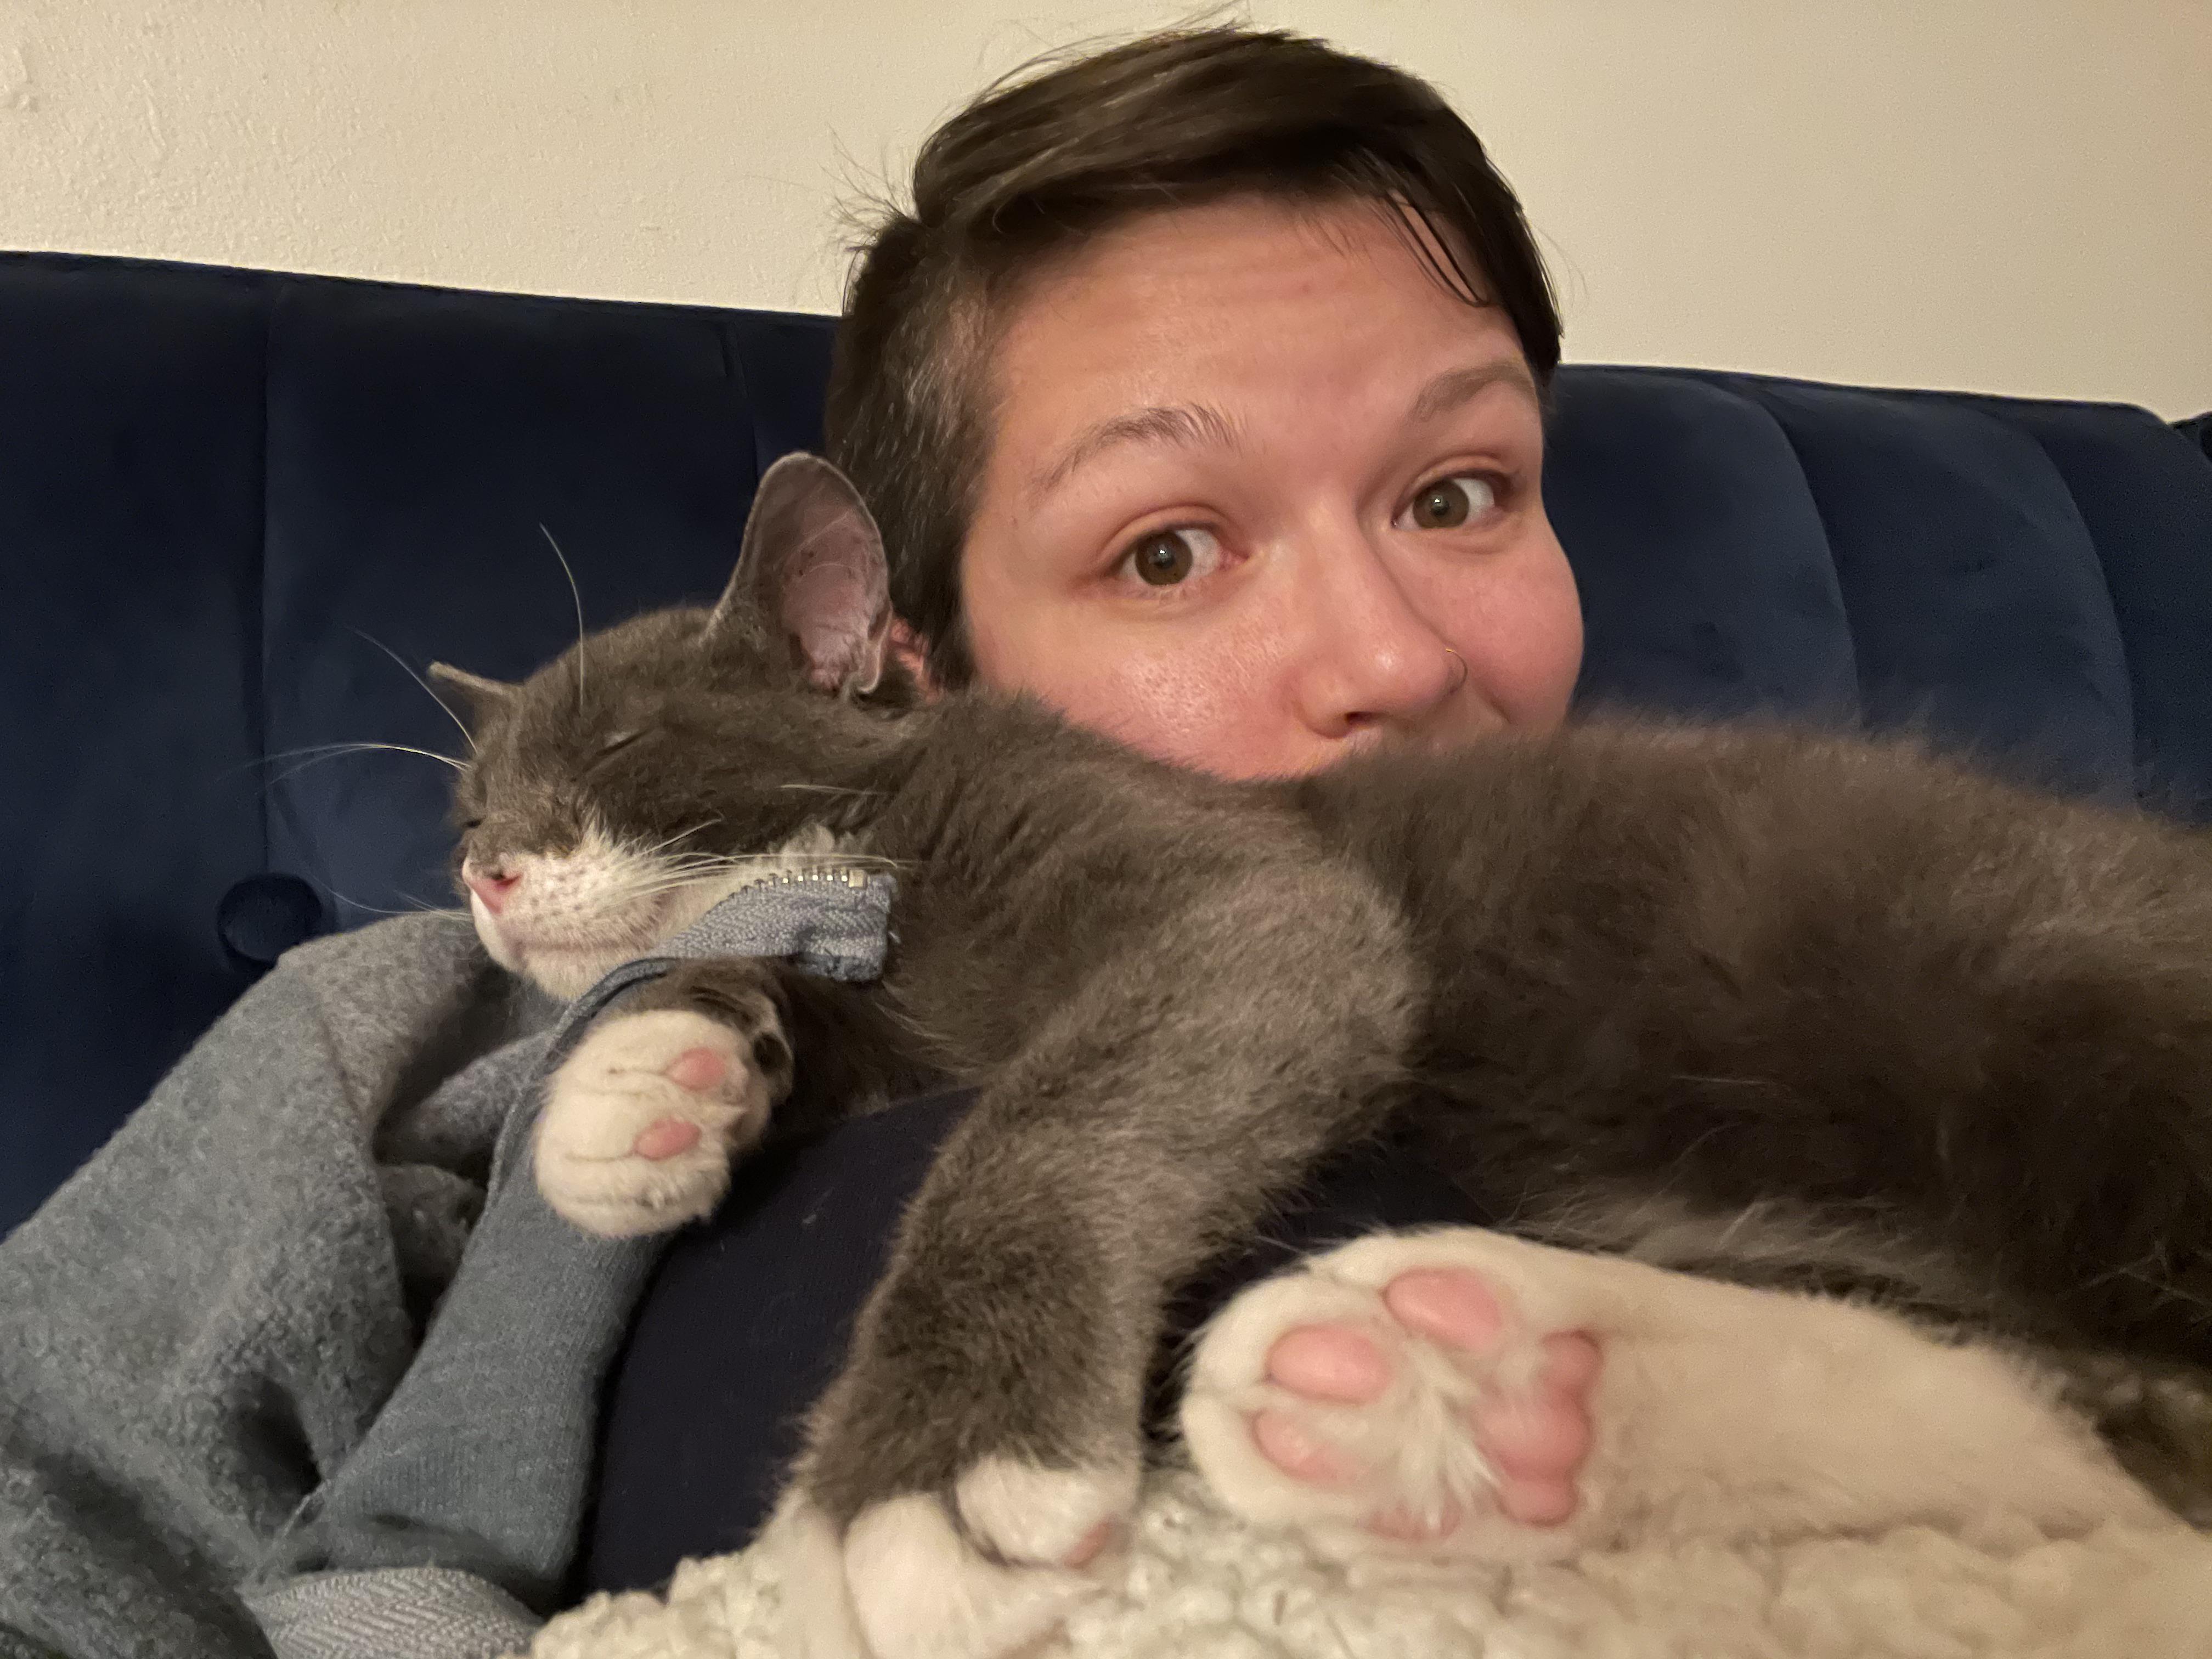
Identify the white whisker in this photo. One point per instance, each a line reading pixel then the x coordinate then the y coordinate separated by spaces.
pixel 735 860
pixel 674 877
pixel 458 723
pixel 320 753
pixel 577 594
pixel 680 835
pixel 415 907
pixel 281 754
pixel 632 895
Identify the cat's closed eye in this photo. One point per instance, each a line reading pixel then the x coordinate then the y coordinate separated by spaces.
pixel 617 741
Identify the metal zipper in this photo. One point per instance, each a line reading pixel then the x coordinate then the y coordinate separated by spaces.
pixel 849 877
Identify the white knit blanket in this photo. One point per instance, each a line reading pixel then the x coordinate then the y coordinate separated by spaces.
pixel 1203 1585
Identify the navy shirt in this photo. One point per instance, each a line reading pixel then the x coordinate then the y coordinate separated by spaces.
pixel 745 1322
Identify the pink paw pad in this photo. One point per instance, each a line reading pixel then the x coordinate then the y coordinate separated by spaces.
pixel 665 1138
pixel 1091 1546
pixel 1534 1437
pixel 696 1069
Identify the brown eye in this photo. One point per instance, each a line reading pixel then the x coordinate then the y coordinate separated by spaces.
pixel 1164 561
pixel 1450 503
pixel 1168 558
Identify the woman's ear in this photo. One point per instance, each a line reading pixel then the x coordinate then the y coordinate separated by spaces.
pixel 911 653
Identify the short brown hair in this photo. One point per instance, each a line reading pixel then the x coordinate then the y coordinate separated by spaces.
pixel 1044 161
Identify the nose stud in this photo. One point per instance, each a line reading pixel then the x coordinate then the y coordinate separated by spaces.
pixel 1461 680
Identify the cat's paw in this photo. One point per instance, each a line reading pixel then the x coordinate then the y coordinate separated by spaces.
pixel 641 1120
pixel 985 1571
pixel 1402 1394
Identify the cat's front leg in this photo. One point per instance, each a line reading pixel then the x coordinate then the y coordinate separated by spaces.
pixel 971 1471
pixel 970 1474
pixel 642 1120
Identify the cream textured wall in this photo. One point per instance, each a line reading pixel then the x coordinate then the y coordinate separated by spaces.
pixel 2008 195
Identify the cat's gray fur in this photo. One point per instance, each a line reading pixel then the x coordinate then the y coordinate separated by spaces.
pixel 1941 1038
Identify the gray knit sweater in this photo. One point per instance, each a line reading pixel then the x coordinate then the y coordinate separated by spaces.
pixel 267 1383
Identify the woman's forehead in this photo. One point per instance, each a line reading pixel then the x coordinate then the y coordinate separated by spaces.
pixel 1246 290
pixel 1210 326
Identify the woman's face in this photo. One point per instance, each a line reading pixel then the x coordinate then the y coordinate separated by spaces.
pixel 1260 492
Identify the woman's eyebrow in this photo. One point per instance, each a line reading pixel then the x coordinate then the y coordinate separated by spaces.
pixel 1188 424
pixel 1455 387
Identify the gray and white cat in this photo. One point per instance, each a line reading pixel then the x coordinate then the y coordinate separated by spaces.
pixel 1802 1013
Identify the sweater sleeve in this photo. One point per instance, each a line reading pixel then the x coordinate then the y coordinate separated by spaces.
pixel 204 1321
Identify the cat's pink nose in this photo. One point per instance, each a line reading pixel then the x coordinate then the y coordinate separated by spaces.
pixel 492 888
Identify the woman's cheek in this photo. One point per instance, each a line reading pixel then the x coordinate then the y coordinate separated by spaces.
pixel 1534 630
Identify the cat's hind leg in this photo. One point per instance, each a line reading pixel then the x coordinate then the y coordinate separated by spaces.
pixel 1471 1415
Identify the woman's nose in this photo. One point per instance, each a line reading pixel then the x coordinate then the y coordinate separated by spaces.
pixel 1371 657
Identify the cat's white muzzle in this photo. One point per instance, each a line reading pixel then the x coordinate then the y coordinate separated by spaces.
pixel 567 919
pixel 564 965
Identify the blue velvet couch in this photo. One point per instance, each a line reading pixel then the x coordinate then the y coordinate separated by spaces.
pixel 229 499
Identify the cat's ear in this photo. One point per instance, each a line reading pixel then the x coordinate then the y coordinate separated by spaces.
pixel 480 697
pixel 812 572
